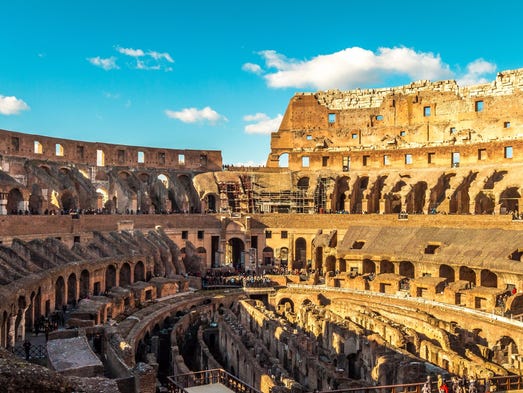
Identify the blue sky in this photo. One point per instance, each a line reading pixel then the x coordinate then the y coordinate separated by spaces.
pixel 219 74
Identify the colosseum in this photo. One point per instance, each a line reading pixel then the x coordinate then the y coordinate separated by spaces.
pixel 379 247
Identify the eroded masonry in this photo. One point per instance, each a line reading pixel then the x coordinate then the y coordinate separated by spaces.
pixel 381 244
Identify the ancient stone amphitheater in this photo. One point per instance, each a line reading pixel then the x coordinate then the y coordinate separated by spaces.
pixel 381 244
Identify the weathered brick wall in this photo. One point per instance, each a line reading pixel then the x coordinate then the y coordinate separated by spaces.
pixel 80 152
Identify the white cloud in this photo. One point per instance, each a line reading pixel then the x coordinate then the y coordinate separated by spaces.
pixel 107 63
pixel 130 52
pixel 147 60
pixel 159 56
pixel 476 71
pixel 263 124
pixel 10 105
pixel 251 67
pixel 351 67
pixel 193 115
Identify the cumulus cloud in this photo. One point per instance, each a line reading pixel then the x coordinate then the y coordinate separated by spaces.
pixel 262 124
pixel 108 63
pixel 195 115
pixel 476 72
pixel 10 105
pixel 253 68
pixel 350 68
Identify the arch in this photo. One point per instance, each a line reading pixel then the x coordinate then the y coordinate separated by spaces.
pixel 68 201
pixel 102 197
pixel 484 204
pixel 369 266
pixel 283 160
pixel 503 350
pixel 268 256
pixel 139 272
pixel 446 271
pixel 190 201
pixel 286 304
pixel 59 293
pixel 125 275
pixel 467 274
pixel 15 201
pixel 211 200
pixel 340 194
pixel 373 203
pixel 300 253
pixel 303 183
pixel 407 269
pixel 164 179
pixel 386 266
pixel 71 289
pixel 415 200
pixel 508 200
pixel 110 277
pixel 356 200
pixel 488 279
pixel 84 283
pixel 235 253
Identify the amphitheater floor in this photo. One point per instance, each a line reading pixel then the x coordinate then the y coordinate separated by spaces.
pixel 212 388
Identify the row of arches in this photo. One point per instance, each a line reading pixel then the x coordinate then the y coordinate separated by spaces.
pixel 65 290
pixel 361 195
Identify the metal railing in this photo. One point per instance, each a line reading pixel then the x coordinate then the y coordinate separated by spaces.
pixel 179 383
pixel 497 384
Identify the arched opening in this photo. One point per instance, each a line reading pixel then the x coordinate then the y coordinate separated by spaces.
pixel 467 274
pixel 508 200
pixel 386 267
pixel 285 304
pixel 446 271
pixel 373 203
pixel 407 269
pixel 283 160
pixel 110 277
pixel 15 202
pixel 415 200
pixel 235 254
pixel 211 203
pixel 59 293
pixel 503 350
pixel 125 275
pixel 84 283
pixel 102 198
pixel 139 272
pixel 268 256
pixel 71 289
pixel 484 204
pixel 369 266
pixel 356 200
pixel 340 194
pixel 460 199
pixel 488 279
pixel 303 187
pixel 300 253
pixel 68 201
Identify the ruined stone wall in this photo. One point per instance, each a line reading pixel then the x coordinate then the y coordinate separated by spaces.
pixel 333 128
pixel 91 153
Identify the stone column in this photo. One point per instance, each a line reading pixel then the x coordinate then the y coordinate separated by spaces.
pixel 3 203
pixel 382 206
pixel 11 333
pixel 20 333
